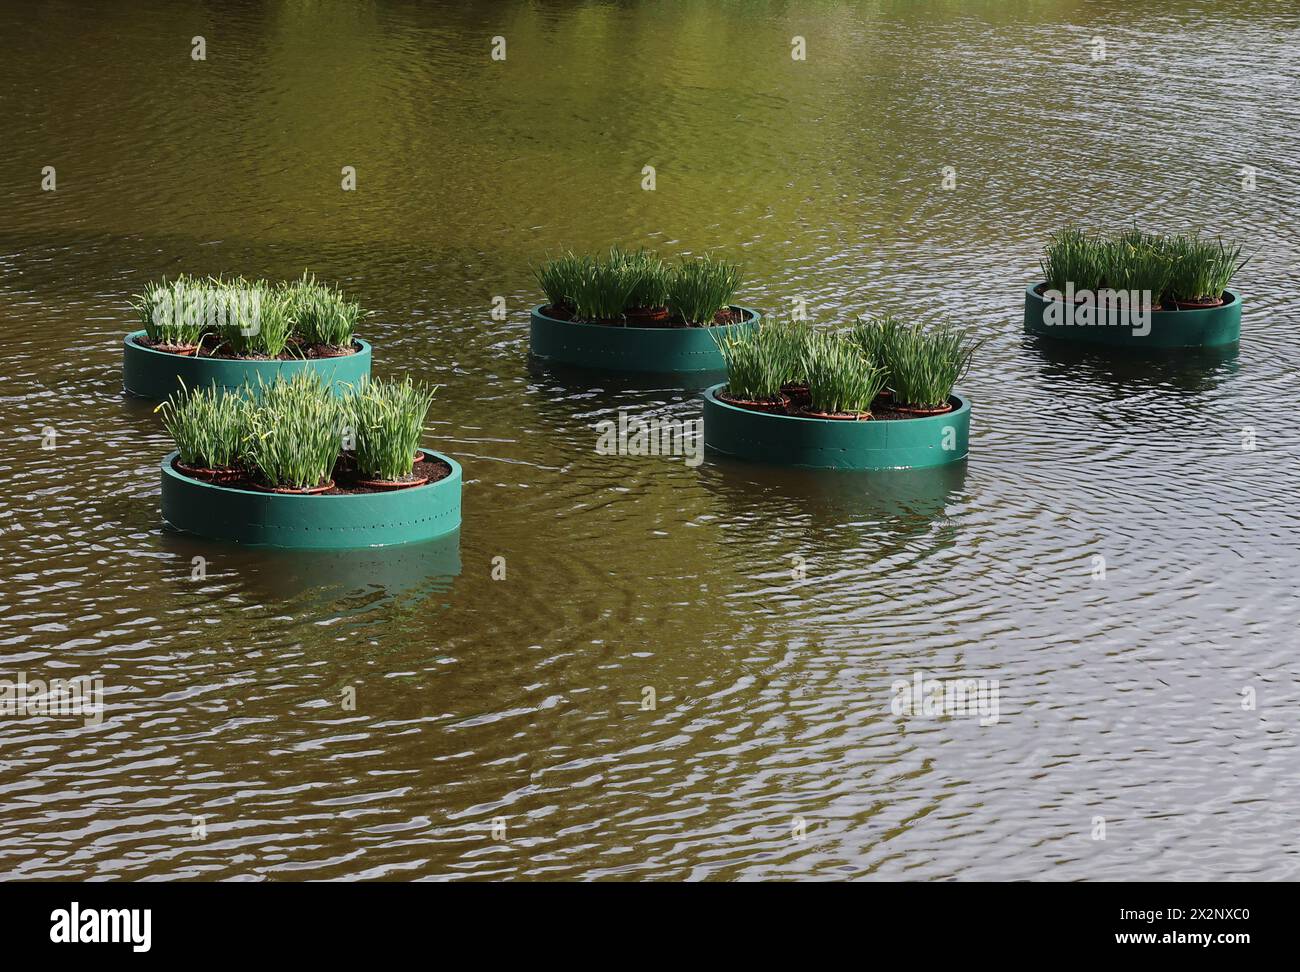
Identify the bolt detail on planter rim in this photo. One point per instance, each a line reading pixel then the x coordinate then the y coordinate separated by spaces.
pixel 915 443
pixel 639 349
pixel 151 374
pixel 318 522
pixel 1206 327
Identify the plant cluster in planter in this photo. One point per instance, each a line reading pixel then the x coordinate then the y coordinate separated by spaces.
pixel 881 368
pixel 639 289
pixel 1178 271
pixel 239 319
pixel 296 437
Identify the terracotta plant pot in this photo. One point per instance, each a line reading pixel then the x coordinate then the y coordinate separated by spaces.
pixel 224 474
pixel 925 409
pixel 779 406
pixel 325 351
pixel 837 416
pixel 1104 306
pixel 389 484
pixel 289 491
pixel 1198 304
pixel 1042 289
pixel 641 315
pixel 181 350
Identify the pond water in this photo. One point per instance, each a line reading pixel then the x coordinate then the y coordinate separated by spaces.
pixel 769 611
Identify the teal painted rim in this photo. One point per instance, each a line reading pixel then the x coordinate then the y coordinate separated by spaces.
pixel 316 522
pixel 1207 327
pixel 916 443
pixel 644 349
pixel 151 374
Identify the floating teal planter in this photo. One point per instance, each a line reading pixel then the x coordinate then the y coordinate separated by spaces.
pixel 915 443
pixel 318 522
pixel 613 348
pixel 1206 327
pixel 156 374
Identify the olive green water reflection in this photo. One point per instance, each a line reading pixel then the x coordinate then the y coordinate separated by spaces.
pixel 770 611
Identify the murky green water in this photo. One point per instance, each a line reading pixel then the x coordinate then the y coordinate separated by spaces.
pixel 522 699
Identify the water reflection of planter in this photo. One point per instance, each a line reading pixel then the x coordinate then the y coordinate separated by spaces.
pixel 914 443
pixel 323 521
pixel 1092 368
pixel 327 577
pixel 615 348
pixel 1205 327
pixel 791 494
pixel 149 373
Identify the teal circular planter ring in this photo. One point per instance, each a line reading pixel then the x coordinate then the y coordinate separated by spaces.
pixel 156 374
pixel 791 440
pixel 614 348
pixel 318 522
pixel 1124 324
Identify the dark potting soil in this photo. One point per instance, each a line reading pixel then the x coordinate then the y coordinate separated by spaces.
pixel 722 317
pixel 882 410
pixel 1168 305
pixel 885 412
pixel 211 349
pixel 346 480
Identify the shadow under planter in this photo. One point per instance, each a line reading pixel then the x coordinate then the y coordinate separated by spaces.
pixel 1205 327
pixel 915 443
pixel 644 349
pixel 147 373
pixel 259 518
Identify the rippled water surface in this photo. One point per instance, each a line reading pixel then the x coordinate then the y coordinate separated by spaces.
pixel 1125 697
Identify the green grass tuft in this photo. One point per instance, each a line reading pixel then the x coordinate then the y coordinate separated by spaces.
pixel 1072 256
pixel 1182 266
pixel 387 421
pixel 295 432
pixel 699 288
pixel 605 289
pixel 1202 268
pixel 841 379
pixel 321 314
pixel 1133 262
pixel 172 312
pixel 601 291
pixel 649 275
pixel 559 279
pixel 256 319
pixel 249 319
pixel 208 426
pixel 925 364
pixel 757 362
pixel 875 337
